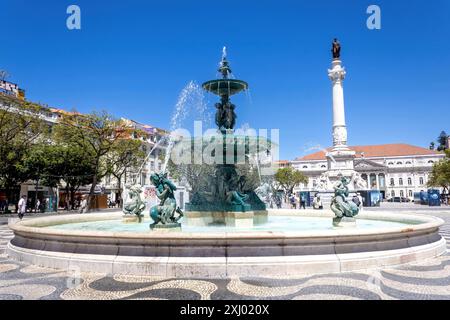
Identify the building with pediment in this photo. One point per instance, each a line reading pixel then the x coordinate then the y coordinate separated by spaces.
pixel 397 170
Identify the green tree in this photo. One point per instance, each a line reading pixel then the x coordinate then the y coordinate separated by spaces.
pixel 442 140
pixel 432 146
pixel 20 128
pixel 288 178
pixel 440 174
pixel 34 166
pixel 96 135
pixel 126 156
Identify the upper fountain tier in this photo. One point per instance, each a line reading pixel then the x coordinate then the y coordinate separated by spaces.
pixel 225 86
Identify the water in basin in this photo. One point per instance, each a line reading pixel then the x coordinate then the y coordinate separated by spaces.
pixel 275 224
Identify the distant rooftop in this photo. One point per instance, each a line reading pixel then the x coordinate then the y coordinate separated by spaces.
pixel 382 150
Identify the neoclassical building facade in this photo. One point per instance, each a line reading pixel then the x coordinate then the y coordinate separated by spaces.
pixel 397 170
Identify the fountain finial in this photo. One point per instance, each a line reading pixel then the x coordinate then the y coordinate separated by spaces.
pixel 224 65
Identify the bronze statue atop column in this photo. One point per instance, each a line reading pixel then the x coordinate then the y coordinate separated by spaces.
pixel 336 49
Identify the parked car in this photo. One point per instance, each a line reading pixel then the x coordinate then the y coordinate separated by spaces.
pixel 399 199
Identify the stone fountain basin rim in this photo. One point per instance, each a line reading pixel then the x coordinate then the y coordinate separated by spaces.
pixel 35 228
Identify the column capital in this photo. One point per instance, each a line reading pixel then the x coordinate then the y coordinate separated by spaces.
pixel 337 73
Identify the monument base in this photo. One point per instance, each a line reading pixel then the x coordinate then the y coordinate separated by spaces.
pixel 169 227
pixel 344 222
pixel 128 218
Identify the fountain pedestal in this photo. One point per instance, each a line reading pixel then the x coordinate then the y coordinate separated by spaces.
pixel 222 195
pixel 237 219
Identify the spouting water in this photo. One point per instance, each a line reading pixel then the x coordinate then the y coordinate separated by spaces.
pixel 157 144
pixel 256 160
pixel 191 100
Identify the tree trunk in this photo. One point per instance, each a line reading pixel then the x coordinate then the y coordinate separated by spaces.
pixel 72 197
pixel 36 195
pixel 119 181
pixel 94 184
pixel 91 192
pixel 67 196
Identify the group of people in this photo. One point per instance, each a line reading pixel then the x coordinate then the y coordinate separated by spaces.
pixel 26 205
pixel 295 199
pixel 113 204
pixel 317 204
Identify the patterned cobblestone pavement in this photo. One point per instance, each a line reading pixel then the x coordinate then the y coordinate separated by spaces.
pixel 428 279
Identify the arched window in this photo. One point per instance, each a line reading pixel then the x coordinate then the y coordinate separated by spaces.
pixel 431 161
pixel 410 193
pixel 402 194
pixel 421 180
pixel 323 166
pixel 408 162
pixel 390 163
pixel 392 182
pixel 399 163
pixel 409 182
pixel 305 167
pixel 400 181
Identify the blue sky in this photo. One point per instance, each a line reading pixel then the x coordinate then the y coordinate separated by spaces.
pixel 132 58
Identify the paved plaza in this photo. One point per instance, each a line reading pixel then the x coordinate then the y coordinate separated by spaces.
pixel 428 279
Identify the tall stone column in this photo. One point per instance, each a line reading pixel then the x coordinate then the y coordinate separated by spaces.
pixel 341 157
pixel 337 75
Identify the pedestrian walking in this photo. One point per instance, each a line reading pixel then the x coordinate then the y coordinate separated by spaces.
pixel 303 201
pixel 83 205
pixel 317 203
pixel 357 199
pixel 278 201
pixel 361 201
pixel 293 204
pixel 38 206
pixel 22 206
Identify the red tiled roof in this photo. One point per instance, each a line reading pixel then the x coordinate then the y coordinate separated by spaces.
pixel 383 150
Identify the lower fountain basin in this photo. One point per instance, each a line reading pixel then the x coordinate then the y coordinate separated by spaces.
pixel 277 248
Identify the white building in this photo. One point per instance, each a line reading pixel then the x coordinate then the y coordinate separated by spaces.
pixel 397 170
